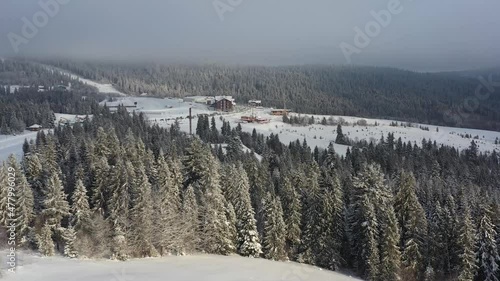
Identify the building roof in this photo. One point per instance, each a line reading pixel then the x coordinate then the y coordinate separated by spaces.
pixel 35 126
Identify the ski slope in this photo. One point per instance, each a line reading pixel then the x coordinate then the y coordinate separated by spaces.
pixel 165 111
pixel 102 88
pixel 175 268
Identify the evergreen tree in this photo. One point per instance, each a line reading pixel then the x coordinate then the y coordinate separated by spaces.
pixel 191 219
pixel 292 211
pixel 363 221
pixel 467 241
pixel 80 210
pixel 55 205
pixel 69 237
pixel 413 226
pixel 45 242
pixel 488 257
pixel 24 208
pixel 274 240
pixel 237 192
pixel 141 222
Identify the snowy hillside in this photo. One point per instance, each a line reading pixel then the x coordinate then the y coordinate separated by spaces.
pixel 185 268
pixel 164 112
pixel 102 88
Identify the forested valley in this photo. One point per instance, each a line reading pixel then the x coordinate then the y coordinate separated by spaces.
pixel 117 187
pixel 432 98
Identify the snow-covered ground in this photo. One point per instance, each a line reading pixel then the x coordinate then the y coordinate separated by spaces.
pixel 14 144
pixel 164 112
pixel 102 88
pixel 184 268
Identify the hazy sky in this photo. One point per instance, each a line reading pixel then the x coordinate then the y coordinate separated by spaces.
pixel 423 35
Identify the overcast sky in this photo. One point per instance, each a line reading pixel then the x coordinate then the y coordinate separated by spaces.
pixel 427 35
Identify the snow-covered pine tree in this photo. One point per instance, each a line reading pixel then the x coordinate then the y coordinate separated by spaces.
pixel 292 208
pixel 55 205
pixel 331 227
pixel 191 220
pixel 412 226
pixel 363 221
pixel 488 256
pixel 45 242
pixel 34 175
pixel 311 216
pixel 80 210
pixel 141 222
pixel 4 197
pixel 119 200
pixel 274 241
pixel 69 237
pixel 24 208
pixel 390 255
pixel 215 224
pixel 237 193
pixel 100 185
pixel 467 242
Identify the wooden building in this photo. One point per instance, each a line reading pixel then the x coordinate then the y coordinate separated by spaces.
pixel 280 112
pixel 223 104
pixel 34 128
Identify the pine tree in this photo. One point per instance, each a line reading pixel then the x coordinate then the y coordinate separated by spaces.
pixel 390 256
pixel 4 196
pixel 292 209
pixel 331 224
pixel 237 192
pixel 467 241
pixel 80 210
pixel 100 186
pixel 24 208
pixel 141 222
pixel 274 240
pixel 413 225
pixel 55 205
pixel 363 221
pixel 45 242
pixel 190 217
pixel 487 250
pixel 69 237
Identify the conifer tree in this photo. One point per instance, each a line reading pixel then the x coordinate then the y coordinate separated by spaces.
pixel 390 256
pixel 80 209
pixel 237 192
pixel 190 217
pixel 4 196
pixel 100 185
pixel 274 240
pixel 55 205
pixel 292 210
pixel 413 225
pixel 363 221
pixel 45 242
pixel 141 222
pixel 487 248
pixel 467 241
pixel 69 237
pixel 24 208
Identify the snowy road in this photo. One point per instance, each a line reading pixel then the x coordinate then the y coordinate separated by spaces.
pixel 186 268
pixel 14 144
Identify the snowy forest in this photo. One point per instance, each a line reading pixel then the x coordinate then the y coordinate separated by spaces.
pixel 117 187
pixel 362 91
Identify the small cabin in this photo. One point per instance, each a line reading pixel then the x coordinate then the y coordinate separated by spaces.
pixel 34 128
pixel 255 102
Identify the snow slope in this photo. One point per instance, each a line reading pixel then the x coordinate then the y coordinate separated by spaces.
pixel 14 144
pixel 184 268
pixel 165 111
pixel 102 88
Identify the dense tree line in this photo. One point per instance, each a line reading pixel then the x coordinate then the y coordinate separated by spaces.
pixel 32 75
pixel 118 187
pixel 28 107
pixel 432 98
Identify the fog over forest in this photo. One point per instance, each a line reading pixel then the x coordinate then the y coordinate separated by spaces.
pixel 419 35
